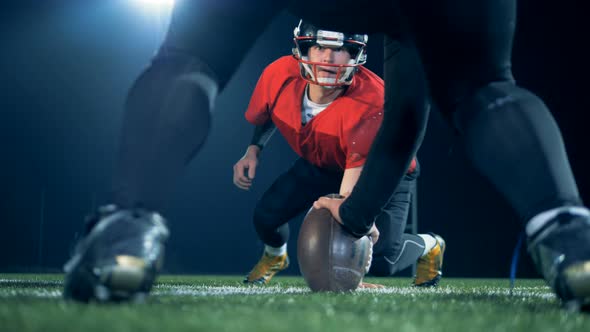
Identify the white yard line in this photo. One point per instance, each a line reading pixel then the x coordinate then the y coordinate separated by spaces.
pixel 14 288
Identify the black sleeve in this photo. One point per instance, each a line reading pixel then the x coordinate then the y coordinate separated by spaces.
pixel 262 134
pixel 398 139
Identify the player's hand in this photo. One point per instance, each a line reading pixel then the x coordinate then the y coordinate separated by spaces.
pixel 369 285
pixel 245 168
pixel 374 234
pixel 332 203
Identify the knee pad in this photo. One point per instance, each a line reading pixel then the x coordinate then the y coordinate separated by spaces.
pixel 186 68
pixel 490 99
pixel 511 138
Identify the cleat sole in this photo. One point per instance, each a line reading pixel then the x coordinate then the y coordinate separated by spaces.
pixel 430 283
pixel 118 259
pixel 109 284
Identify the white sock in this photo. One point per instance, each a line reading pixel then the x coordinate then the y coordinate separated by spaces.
pixel 538 221
pixel 275 251
pixel 429 243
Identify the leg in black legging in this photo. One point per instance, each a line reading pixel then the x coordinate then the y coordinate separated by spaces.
pixel 401 133
pixel 291 194
pixel 396 250
pixel 509 134
pixel 168 108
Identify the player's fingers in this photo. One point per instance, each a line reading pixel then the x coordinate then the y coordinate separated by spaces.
pixel 333 205
pixel 368 285
pixel 238 171
pixel 244 179
pixel 243 183
pixel 252 169
pixel 374 238
pixel 326 203
pixel 241 186
pixel 374 234
pixel 321 202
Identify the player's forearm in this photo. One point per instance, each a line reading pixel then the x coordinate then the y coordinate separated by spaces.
pixel 349 179
pixel 374 187
pixel 262 134
pixel 391 154
pixel 253 151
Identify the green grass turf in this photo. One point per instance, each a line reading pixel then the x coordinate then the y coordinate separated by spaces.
pixel 222 303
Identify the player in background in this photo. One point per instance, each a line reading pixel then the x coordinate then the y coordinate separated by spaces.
pixel 328 107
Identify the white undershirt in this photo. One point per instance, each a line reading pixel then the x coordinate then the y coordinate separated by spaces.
pixel 310 109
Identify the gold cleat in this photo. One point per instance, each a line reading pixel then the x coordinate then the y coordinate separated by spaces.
pixel 266 268
pixel 429 268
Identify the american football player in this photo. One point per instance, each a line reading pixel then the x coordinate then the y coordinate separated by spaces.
pixel 329 108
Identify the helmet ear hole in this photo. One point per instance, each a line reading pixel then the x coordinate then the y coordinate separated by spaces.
pixel 353 50
pixel 304 47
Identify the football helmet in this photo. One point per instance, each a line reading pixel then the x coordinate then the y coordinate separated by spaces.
pixel 307 35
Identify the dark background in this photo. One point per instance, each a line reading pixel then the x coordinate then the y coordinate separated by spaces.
pixel 65 67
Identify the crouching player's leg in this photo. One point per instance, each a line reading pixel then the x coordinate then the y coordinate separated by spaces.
pixel 396 250
pixel 291 194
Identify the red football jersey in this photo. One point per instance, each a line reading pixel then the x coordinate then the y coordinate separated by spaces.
pixel 340 136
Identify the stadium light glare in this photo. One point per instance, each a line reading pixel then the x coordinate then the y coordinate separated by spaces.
pixel 155 4
pixel 157 11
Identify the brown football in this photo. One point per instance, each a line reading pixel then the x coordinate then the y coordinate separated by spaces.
pixel 330 258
